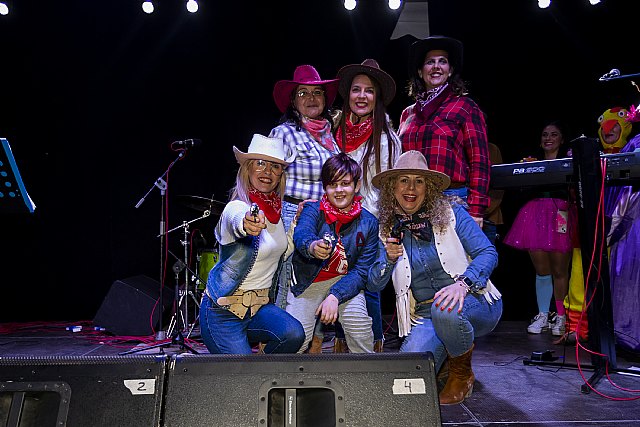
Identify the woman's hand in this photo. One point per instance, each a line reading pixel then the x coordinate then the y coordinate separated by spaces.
pixel 328 310
pixel 320 249
pixel 450 296
pixel 253 224
pixel 394 249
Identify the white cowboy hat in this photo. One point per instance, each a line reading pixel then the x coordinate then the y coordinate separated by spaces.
pixel 265 148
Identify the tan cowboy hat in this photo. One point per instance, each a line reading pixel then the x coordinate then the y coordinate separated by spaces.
pixel 265 148
pixel 412 163
pixel 420 48
pixel 371 68
pixel 303 75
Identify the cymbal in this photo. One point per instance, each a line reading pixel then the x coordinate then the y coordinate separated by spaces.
pixel 202 204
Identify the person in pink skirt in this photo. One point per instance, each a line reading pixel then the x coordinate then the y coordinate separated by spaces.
pixel 544 227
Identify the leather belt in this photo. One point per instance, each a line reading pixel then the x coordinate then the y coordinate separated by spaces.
pixel 241 301
pixel 293 200
pixel 458 185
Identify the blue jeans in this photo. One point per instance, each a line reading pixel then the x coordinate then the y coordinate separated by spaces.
pixel 286 274
pixel 224 333
pixel 453 333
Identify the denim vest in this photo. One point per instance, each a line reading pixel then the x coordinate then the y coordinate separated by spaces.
pixel 360 241
pixel 235 262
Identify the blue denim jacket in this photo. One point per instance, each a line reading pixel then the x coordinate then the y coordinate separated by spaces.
pixel 360 240
pixel 235 262
pixel 427 274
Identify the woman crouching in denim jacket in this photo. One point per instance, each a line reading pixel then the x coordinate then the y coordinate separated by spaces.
pixel 440 262
pixel 237 309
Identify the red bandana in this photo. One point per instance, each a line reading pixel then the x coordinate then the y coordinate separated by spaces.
pixel 340 218
pixel 356 134
pixel 270 204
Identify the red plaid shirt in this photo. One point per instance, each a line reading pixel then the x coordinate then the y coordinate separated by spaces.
pixel 454 142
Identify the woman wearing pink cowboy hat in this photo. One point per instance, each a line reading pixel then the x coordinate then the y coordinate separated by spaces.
pixel 305 127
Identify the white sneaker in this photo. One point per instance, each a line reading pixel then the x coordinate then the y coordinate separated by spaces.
pixel 558 327
pixel 539 323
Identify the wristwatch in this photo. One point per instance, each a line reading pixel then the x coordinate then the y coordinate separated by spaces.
pixel 471 287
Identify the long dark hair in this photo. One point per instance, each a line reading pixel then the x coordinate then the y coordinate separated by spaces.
pixel 380 124
pixel 292 115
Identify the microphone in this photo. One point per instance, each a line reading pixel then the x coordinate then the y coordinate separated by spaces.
pixel 611 74
pixel 187 143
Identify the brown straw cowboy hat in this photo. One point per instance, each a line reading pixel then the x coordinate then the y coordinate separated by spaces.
pixel 303 75
pixel 420 48
pixel 371 68
pixel 412 163
pixel 265 148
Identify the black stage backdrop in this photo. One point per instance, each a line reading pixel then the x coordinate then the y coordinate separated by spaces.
pixel 93 93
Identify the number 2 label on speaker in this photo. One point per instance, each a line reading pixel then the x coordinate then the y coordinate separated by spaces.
pixel 409 386
pixel 141 386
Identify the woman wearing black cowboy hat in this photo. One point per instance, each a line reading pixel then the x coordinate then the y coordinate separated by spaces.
pixel 445 124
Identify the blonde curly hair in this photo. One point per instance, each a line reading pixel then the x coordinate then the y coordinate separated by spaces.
pixel 435 204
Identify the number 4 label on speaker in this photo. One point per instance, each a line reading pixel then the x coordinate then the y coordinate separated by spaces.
pixel 144 386
pixel 409 386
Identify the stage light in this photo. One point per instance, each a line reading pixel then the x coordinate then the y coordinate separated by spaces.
pixel 394 4
pixel 543 4
pixel 4 10
pixel 192 6
pixel 349 4
pixel 147 6
pixel 593 2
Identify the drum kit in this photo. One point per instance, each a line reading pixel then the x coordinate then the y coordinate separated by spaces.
pixel 190 289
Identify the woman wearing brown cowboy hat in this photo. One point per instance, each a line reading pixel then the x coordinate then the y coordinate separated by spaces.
pixel 365 133
pixel 445 124
pixel 440 262
pixel 305 128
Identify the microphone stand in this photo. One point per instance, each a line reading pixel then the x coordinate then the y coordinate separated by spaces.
pixel 161 184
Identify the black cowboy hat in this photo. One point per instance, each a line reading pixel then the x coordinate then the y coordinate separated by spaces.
pixel 419 49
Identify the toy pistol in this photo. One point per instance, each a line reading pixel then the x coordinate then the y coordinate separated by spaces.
pixel 255 210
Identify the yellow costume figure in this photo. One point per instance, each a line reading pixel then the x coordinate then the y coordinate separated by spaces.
pixel 614 128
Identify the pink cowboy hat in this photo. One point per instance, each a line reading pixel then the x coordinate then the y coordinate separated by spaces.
pixel 303 75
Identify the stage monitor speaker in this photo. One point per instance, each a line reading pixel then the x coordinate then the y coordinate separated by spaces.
pixel 350 390
pixel 81 391
pixel 129 305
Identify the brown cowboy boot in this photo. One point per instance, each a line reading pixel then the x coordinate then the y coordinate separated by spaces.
pixel 443 375
pixel 460 382
pixel 377 346
pixel 316 345
pixel 340 345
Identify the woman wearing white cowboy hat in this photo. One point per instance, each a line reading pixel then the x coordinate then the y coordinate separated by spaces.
pixel 238 308
pixel 440 262
pixel 305 127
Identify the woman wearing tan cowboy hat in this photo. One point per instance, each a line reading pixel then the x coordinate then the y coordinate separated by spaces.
pixel 365 133
pixel 440 262
pixel 305 128
pixel 445 124
pixel 237 308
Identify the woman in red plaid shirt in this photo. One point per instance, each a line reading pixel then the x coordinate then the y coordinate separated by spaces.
pixel 445 124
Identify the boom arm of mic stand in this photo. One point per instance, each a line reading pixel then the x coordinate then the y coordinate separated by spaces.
pixel 622 76
pixel 204 215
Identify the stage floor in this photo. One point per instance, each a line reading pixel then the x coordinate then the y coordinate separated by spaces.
pixel 509 390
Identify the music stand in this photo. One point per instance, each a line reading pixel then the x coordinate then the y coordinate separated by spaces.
pixel 13 194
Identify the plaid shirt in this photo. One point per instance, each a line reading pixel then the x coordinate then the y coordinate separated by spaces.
pixel 454 142
pixel 303 175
